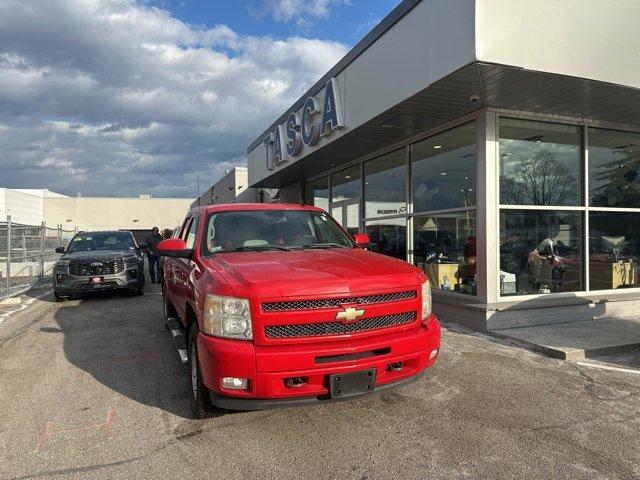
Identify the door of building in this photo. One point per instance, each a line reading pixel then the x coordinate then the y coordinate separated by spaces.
pixel 347 214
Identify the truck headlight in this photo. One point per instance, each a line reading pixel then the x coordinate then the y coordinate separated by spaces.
pixel 227 317
pixel 426 299
pixel 63 263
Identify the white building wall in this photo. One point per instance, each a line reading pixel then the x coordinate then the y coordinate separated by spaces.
pixel 98 213
pixel 23 207
pixel 594 39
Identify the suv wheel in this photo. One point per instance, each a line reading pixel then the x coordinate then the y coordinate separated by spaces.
pixel 201 406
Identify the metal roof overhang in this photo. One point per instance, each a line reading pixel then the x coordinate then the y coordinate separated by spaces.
pixel 498 86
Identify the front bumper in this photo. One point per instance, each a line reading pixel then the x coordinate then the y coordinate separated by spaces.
pixel 268 367
pixel 66 284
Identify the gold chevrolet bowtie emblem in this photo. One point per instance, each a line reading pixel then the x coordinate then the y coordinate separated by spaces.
pixel 349 314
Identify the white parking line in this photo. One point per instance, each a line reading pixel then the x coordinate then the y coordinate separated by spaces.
pixel 22 306
pixel 607 367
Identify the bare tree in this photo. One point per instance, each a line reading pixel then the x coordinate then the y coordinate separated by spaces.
pixel 539 180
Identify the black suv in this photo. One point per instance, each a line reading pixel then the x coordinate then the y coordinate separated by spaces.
pixel 99 261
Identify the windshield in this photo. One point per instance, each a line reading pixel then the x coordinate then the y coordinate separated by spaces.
pixel 88 241
pixel 272 229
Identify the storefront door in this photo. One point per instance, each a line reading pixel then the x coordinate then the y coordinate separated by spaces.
pixel 347 214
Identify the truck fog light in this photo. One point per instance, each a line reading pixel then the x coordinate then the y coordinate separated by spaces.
pixel 59 278
pixel 433 354
pixel 233 383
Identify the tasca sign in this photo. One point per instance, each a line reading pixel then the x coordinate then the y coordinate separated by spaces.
pixel 305 129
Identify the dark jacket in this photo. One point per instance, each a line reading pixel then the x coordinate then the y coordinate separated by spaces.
pixel 152 242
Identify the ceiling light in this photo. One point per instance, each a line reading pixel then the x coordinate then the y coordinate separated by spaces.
pixel 442 174
pixel 437 147
pixel 347 177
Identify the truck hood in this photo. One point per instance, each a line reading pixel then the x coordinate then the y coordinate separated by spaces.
pixel 278 274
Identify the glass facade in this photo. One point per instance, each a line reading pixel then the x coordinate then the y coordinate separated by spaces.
pixel 540 252
pixel 318 193
pixel 568 211
pixel 385 185
pixel 445 249
pixel 444 170
pixel 388 236
pixel 614 250
pixel 539 163
pixel 614 169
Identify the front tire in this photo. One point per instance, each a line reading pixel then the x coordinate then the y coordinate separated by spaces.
pixel 201 406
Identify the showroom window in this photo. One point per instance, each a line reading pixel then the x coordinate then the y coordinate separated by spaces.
pixel 444 170
pixel 388 236
pixel 614 250
pixel 614 169
pixel 444 199
pixel 385 185
pixel 540 252
pixel 345 184
pixel 318 193
pixel 445 249
pixel 539 163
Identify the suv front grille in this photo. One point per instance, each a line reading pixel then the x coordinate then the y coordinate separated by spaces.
pixel 339 328
pixel 82 268
pixel 336 302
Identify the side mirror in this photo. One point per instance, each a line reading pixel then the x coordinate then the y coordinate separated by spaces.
pixel 362 240
pixel 174 247
pixel 60 250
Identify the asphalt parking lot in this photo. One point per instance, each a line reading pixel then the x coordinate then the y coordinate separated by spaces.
pixel 93 388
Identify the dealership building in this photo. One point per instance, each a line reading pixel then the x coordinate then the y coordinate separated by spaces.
pixel 494 144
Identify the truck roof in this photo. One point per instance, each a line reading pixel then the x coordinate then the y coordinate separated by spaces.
pixel 225 207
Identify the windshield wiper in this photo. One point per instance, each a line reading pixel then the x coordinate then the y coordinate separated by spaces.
pixel 270 246
pixel 325 245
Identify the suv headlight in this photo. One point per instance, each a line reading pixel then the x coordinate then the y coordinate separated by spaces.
pixel 63 263
pixel 426 299
pixel 227 317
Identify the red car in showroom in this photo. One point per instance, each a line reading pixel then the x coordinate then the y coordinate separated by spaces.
pixel 275 305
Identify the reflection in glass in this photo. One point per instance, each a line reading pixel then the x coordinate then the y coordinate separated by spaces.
pixel 444 170
pixel 539 163
pixel 614 250
pixel 385 185
pixel 388 236
pixel 540 252
pixel 345 184
pixel 318 193
pixel 614 168
pixel 445 249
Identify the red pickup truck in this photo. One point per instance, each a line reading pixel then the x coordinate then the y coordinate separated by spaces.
pixel 275 305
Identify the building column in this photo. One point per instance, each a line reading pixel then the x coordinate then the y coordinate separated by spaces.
pixel 487 233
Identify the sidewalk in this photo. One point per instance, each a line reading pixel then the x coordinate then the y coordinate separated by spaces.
pixel 577 340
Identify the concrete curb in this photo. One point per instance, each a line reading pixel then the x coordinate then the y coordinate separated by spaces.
pixel 569 354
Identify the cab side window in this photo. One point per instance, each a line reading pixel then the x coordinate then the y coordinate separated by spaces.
pixel 192 231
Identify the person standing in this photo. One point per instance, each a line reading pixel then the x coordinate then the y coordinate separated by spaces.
pixel 152 255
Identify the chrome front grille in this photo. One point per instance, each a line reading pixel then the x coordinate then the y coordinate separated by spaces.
pixel 336 302
pixel 339 328
pixel 83 268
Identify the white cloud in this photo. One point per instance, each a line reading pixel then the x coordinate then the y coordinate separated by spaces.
pixel 128 98
pixel 301 11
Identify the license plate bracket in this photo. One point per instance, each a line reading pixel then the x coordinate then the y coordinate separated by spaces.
pixel 350 384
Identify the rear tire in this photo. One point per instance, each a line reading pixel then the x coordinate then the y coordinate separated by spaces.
pixel 201 406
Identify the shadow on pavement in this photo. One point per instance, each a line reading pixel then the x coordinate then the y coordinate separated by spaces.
pixel 120 341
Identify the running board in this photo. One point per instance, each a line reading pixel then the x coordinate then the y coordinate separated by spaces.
pixel 177 332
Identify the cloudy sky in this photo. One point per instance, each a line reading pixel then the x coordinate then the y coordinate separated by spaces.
pixel 121 97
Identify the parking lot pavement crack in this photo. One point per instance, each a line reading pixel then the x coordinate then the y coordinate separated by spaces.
pixel 100 466
pixel 592 387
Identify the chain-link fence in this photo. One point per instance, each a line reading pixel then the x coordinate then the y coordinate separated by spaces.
pixel 27 255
